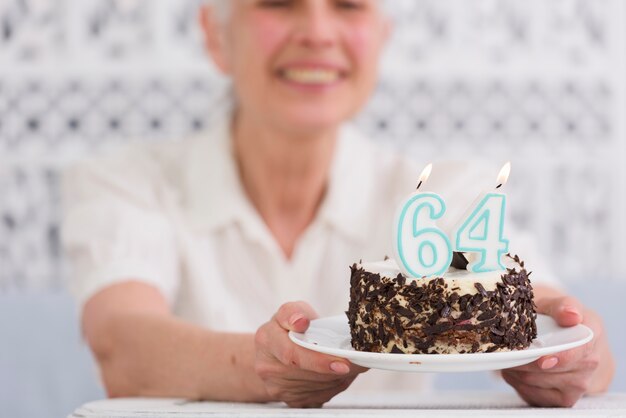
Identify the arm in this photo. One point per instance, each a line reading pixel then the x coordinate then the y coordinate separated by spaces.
pixel 143 350
pixel 561 379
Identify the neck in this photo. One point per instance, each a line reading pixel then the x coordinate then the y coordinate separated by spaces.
pixel 284 175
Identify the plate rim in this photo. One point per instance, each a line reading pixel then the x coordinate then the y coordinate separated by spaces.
pixel 537 352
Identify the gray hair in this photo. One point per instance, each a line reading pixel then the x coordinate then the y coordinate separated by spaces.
pixel 222 8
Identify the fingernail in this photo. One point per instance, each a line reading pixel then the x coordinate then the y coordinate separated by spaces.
pixel 339 367
pixel 571 310
pixel 549 363
pixel 295 318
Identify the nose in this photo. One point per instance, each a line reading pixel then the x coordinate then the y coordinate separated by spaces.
pixel 317 28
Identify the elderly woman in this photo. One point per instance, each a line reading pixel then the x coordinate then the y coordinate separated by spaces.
pixel 188 255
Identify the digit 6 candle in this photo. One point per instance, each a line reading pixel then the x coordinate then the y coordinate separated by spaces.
pixel 421 248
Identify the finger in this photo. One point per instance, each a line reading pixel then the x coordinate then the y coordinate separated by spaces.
pixel 304 392
pixel 295 316
pixel 565 310
pixel 302 387
pixel 577 380
pixel 576 358
pixel 567 360
pixel 322 363
pixel 594 321
pixel 306 380
pixel 315 399
pixel 272 369
pixel 292 355
pixel 288 373
pixel 542 397
pixel 514 378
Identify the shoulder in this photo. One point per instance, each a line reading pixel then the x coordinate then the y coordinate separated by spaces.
pixel 140 173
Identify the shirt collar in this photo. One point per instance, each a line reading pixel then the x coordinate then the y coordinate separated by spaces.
pixel 215 197
pixel 349 203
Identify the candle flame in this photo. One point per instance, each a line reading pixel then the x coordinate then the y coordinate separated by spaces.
pixel 503 176
pixel 425 174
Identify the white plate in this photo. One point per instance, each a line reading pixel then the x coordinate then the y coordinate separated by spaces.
pixel 332 336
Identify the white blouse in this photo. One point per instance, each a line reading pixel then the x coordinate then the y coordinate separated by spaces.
pixel 175 215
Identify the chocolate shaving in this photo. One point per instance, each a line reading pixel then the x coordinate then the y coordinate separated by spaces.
pixel 459 261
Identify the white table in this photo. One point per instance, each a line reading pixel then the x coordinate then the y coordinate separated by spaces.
pixel 404 404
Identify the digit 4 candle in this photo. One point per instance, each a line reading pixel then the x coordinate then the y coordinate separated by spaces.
pixel 480 231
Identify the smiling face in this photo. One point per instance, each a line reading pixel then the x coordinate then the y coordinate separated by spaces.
pixel 300 65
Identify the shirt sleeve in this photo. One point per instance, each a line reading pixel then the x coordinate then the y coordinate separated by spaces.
pixel 525 245
pixel 115 228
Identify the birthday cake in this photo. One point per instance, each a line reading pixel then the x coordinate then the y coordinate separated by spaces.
pixel 459 312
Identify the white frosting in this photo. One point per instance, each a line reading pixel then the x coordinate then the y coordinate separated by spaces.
pixel 462 279
pixel 388 268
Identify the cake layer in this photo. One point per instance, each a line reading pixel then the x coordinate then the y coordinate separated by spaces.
pixel 459 313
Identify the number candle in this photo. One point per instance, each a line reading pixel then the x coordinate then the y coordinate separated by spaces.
pixel 481 230
pixel 420 247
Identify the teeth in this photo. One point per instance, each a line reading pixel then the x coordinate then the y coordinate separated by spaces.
pixel 317 76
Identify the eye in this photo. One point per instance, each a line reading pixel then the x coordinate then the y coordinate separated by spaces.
pixel 350 4
pixel 275 4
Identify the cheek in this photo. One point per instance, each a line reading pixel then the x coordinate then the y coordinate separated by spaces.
pixel 266 35
pixel 364 45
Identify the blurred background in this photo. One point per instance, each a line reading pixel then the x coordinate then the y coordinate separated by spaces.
pixel 540 83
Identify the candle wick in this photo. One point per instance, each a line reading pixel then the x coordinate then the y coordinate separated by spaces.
pixel 419 185
pixel 498 186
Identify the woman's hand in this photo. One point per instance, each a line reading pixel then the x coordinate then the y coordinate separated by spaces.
pixel 299 377
pixel 563 378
